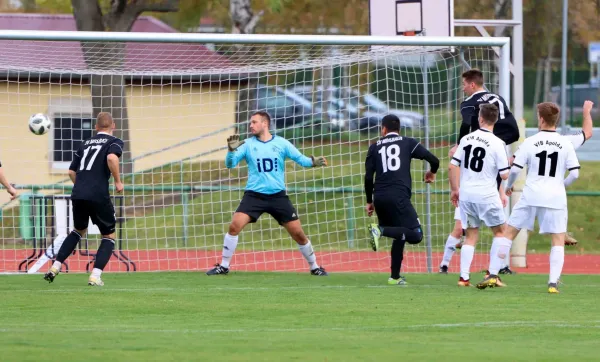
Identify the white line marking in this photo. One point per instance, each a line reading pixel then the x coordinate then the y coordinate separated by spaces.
pixel 135 329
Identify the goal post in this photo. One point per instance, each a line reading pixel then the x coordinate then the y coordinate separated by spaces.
pixel 176 98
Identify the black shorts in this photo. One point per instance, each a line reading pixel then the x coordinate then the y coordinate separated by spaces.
pixel 277 205
pixel 101 213
pixel 395 211
pixel 507 132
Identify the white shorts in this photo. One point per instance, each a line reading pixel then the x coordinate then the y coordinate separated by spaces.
pixel 473 214
pixel 552 221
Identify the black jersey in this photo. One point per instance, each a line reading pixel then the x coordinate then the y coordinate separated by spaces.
pixel 506 128
pixel 389 159
pixel 91 164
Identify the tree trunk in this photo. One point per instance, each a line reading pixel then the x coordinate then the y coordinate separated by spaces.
pixel 243 20
pixel 108 90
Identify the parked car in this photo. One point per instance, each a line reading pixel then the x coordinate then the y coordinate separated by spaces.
pixel 337 116
pixel 286 108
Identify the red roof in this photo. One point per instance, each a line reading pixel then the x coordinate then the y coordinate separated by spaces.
pixel 67 57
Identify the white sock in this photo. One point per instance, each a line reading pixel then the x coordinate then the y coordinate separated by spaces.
pixel 500 248
pixel 229 245
pixel 309 254
pixel 505 260
pixel 57 265
pixel 557 259
pixel 96 273
pixel 466 258
pixel 449 250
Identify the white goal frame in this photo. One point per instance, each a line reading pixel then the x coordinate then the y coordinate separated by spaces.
pixel 501 43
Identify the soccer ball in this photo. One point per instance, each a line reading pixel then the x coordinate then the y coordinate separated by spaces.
pixel 39 124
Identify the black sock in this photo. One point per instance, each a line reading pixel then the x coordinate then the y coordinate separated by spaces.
pixel 411 236
pixel 397 256
pixel 104 253
pixel 68 246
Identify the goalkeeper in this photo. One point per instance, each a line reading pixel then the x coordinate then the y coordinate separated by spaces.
pixel 265 155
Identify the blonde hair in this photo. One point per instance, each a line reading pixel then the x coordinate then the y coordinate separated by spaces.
pixel 104 120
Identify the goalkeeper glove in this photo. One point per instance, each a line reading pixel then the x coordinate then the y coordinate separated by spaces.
pixel 318 161
pixel 233 142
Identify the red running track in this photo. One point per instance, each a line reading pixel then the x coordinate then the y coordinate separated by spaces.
pixel 346 261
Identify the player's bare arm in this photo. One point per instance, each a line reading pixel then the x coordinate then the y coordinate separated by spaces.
pixel 113 166
pixel 9 188
pixel 587 125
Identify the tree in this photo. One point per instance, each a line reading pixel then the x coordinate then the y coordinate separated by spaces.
pixel 108 91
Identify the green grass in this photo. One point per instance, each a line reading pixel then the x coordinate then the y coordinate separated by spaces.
pixel 284 317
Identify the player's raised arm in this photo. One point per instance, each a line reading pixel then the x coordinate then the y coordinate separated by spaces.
pixel 9 188
pixel 587 125
pixel 295 155
pixel 236 151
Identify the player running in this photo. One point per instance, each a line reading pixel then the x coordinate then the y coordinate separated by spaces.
pixel 94 162
pixel 389 159
pixel 479 158
pixel 547 155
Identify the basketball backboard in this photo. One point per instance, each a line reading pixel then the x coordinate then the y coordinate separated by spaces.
pixel 411 17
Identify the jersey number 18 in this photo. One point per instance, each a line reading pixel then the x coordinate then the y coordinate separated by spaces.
pixel 390 157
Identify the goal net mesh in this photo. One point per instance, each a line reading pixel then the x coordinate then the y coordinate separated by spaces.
pixel 176 104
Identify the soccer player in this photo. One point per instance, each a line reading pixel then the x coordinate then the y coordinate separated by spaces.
pixel 9 188
pixel 265 155
pixel 548 156
pixel 389 159
pixel 506 129
pixel 94 162
pixel 577 139
pixel 478 160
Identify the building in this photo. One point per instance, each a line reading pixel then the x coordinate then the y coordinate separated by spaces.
pixel 174 94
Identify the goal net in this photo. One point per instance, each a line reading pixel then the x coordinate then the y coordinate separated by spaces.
pixel 175 104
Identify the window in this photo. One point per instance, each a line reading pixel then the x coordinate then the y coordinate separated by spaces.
pixel 68 133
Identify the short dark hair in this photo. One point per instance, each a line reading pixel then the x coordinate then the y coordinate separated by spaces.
pixel 474 75
pixel 391 122
pixel 264 114
pixel 549 112
pixel 489 113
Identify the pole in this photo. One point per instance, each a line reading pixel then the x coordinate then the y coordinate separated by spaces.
pixel 563 74
pixel 428 186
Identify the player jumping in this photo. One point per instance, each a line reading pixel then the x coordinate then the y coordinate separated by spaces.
pixel 94 162
pixel 265 155
pixel 506 129
pixel 479 158
pixel 389 159
pixel 547 155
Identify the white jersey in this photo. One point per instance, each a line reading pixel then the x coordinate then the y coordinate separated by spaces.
pixel 482 156
pixel 548 156
pixel 577 139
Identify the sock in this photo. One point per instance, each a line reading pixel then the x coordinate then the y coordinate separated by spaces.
pixel 96 273
pixel 229 244
pixel 449 250
pixel 309 254
pixel 497 253
pixel 104 253
pixel 557 259
pixel 57 265
pixel 68 246
pixel 397 254
pixel 466 258
pixel 411 236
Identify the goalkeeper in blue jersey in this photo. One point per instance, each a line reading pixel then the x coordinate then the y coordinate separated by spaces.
pixel 265 155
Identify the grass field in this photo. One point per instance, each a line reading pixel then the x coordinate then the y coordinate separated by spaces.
pixel 284 317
